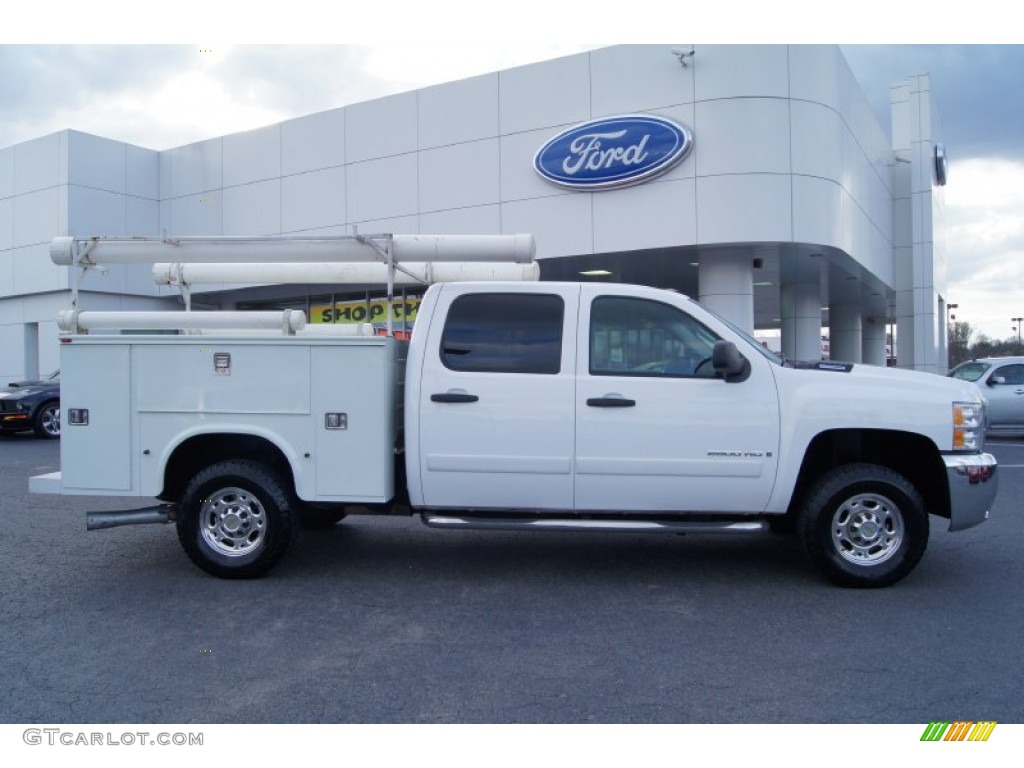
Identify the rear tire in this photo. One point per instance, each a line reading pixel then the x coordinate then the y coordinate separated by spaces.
pixel 864 525
pixel 236 519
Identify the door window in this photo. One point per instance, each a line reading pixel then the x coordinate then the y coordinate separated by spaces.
pixel 504 333
pixel 1011 374
pixel 640 337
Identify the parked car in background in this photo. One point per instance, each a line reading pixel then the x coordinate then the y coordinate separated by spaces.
pixel 1001 381
pixel 32 405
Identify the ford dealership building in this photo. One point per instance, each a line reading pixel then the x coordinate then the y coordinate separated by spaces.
pixel 756 178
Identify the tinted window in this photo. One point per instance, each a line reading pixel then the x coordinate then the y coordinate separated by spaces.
pixel 504 333
pixel 638 337
pixel 1011 374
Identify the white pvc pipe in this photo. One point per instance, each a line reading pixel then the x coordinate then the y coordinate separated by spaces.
pixel 325 329
pixel 333 273
pixel 338 329
pixel 288 320
pixel 404 248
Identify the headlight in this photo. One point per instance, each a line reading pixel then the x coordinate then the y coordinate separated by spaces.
pixel 968 426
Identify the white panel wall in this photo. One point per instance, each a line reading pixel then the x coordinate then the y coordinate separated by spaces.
pixel 823 213
pixel 35 273
pixel 142 175
pixel 561 225
pixel 313 142
pixel 253 209
pixel 313 200
pixel 97 163
pixel 381 128
pixel 12 342
pixel 459 176
pixel 198 214
pixel 252 156
pixel 543 95
pixel 37 163
pixel 165 164
pixel 818 142
pixel 95 212
pixel 736 209
pixel 37 216
pixel 382 189
pixel 655 215
pixel 6 273
pixel 817 74
pixel 194 168
pixel 452 113
pixel 638 78
pixel 142 217
pixel 736 71
pixel 6 172
pixel 742 136
pixel 6 224
pixel 480 220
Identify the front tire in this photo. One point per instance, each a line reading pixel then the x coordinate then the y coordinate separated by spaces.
pixel 47 421
pixel 236 519
pixel 864 525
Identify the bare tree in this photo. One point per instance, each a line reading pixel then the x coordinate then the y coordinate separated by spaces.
pixel 960 333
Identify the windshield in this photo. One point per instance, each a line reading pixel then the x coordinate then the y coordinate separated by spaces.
pixel 969 371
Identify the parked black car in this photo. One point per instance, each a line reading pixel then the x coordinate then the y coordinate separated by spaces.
pixel 32 405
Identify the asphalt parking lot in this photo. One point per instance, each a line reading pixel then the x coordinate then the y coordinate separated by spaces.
pixel 383 620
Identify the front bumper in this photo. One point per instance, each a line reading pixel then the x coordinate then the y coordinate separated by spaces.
pixel 973 482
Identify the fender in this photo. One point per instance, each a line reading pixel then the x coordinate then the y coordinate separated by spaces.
pixel 153 482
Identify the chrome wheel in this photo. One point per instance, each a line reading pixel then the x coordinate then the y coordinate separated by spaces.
pixel 48 420
pixel 867 529
pixel 233 522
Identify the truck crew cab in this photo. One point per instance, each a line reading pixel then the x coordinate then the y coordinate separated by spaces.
pixel 517 405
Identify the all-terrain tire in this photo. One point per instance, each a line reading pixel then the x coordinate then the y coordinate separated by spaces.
pixel 236 519
pixel 864 525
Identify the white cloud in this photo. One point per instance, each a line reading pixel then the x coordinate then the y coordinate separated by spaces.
pixel 421 65
pixel 196 105
pixel 985 243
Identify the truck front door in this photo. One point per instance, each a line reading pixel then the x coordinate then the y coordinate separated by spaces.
pixel 496 398
pixel 656 429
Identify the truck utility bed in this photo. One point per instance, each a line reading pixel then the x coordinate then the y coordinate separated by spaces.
pixel 332 406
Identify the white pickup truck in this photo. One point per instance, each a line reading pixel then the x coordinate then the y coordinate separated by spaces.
pixel 520 406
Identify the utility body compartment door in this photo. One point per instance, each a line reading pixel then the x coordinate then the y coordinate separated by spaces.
pixel 96 457
pixel 656 430
pixel 495 403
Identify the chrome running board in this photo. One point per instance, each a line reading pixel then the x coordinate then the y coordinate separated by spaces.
pixel 606 525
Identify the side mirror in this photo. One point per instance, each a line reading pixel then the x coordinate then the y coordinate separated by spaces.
pixel 996 380
pixel 729 363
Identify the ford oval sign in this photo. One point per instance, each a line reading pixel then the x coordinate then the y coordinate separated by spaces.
pixel 613 152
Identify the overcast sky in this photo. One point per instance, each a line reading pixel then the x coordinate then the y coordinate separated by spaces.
pixel 161 96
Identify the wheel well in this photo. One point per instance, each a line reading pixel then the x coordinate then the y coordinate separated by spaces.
pixel 203 450
pixel 914 456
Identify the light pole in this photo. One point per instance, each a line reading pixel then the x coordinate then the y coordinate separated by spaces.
pixel 1018 321
pixel 950 335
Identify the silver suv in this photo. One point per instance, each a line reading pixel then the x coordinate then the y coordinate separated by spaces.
pixel 1001 381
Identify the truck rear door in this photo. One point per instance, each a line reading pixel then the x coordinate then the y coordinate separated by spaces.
pixel 656 430
pixel 496 398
